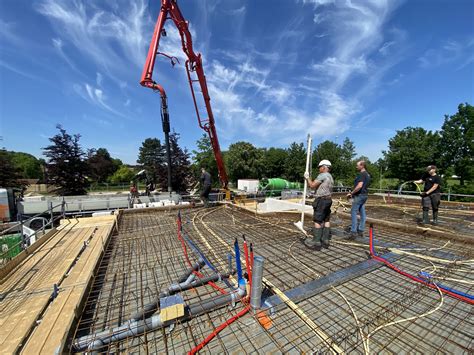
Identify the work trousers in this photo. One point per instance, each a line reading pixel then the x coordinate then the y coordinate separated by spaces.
pixel 358 207
pixel 432 200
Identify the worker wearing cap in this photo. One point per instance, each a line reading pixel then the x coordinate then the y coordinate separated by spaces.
pixel 431 195
pixel 321 206
pixel 359 197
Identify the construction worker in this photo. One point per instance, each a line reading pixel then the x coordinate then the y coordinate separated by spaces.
pixel 431 195
pixel 134 194
pixel 205 186
pixel 321 206
pixel 359 197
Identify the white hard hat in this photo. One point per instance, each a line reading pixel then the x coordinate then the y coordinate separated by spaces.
pixel 324 162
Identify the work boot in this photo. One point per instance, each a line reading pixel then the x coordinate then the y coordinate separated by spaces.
pixel 360 234
pixel 352 236
pixel 315 242
pixel 435 217
pixel 326 237
pixel 426 217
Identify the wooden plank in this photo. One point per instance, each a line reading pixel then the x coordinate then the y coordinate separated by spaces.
pixel 43 269
pixel 18 324
pixel 51 334
pixel 17 260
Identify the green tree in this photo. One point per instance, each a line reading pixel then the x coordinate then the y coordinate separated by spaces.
pixel 152 158
pixel 410 151
pixel 457 142
pixel 66 166
pixel 244 161
pixel 348 150
pixel 101 165
pixel 295 162
pixel 341 158
pixel 8 172
pixel 181 167
pixel 117 163
pixel 274 162
pixel 123 174
pixel 28 165
pixel 203 157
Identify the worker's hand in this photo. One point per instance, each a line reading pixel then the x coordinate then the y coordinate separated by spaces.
pixel 349 195
pixel 423 194
pixel 306 175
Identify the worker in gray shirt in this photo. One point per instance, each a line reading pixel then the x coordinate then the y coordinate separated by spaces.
pixel 321 206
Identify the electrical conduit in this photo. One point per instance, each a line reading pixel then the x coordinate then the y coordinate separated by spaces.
pixel 238 315
pixel 447 291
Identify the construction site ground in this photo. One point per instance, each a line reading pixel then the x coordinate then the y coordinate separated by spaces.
pixel 334 300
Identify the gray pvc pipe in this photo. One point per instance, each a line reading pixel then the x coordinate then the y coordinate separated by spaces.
pixel 134 328
pixel 197 265
pixel 257 275
pixel 151 308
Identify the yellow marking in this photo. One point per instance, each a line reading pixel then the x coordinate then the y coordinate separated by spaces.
pixel 172 312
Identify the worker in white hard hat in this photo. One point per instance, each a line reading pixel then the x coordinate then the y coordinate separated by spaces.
pixel 321 206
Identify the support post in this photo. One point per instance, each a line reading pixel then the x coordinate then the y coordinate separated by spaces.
pixel 257 286
pixel 51 212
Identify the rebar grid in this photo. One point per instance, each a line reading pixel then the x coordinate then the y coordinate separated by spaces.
pixel 146 257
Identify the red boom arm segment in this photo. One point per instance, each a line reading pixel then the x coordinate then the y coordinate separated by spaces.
pixel 170 10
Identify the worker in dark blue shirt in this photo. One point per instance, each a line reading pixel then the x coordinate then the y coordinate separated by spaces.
pixel 359 197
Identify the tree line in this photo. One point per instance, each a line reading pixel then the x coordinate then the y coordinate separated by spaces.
pixel 72 169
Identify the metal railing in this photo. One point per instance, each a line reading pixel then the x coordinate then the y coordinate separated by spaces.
pixel 25 238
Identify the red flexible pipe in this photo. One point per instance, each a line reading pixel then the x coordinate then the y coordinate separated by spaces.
pixel 414 278
pixel 231 320
pixel 218 330
pixel 247 263
pixel 251 267
pixel 251 257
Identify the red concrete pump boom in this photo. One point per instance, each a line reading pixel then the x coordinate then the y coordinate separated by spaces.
pixel 170 10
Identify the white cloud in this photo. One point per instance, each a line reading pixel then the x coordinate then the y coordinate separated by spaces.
pixel 358 47
pixel 248 100
pixel 95 96
pixel 58 45
pixel 96 33
pixel 448 52
pixel 98 79
pixel 338 71
pixel 385 49
pixel 240 11
pixel 8 32
pixel 18 71
pixel 318 3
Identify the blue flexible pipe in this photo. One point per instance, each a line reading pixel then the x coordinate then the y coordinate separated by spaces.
pixel 238 263
pixel 427 276
pixel 206 261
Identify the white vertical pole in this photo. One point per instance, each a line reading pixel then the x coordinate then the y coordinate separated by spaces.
pixel 308 159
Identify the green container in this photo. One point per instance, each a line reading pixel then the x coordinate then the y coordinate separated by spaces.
pixel 275 186
pixel 13 242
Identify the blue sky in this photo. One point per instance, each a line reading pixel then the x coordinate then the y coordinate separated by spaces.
pixel 276 70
